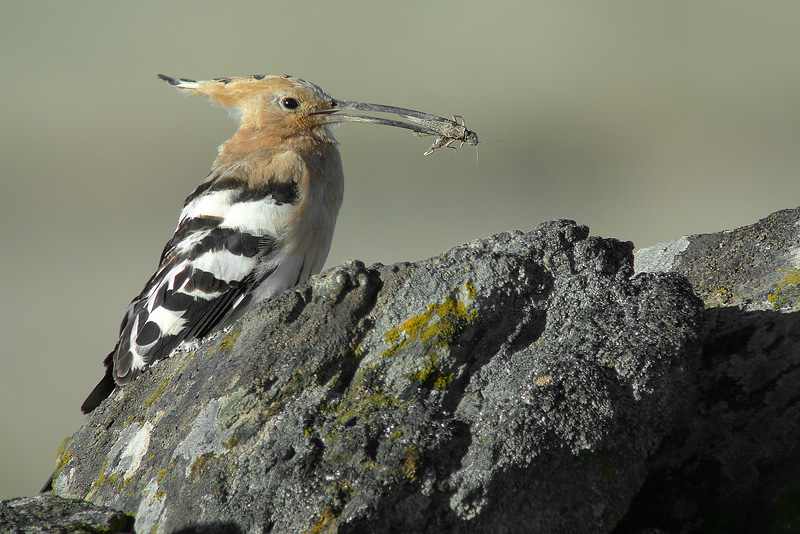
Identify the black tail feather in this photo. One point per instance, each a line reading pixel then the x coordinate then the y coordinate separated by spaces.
pixel 103 389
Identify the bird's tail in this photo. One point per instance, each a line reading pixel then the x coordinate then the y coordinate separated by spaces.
pixel 103 389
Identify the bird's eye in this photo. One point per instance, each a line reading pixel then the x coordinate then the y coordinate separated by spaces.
pixel 290 103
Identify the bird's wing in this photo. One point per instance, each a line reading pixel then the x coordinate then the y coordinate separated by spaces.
pixel 228 242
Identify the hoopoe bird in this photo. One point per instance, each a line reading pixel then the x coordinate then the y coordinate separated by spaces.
pixel 260 223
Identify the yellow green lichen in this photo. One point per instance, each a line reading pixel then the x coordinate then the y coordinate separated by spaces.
pixel 720 297
pixel 437 326
pixel 159 390
pixel 471 293
pixel 64 454
pixel 326 522
pixel 443 381
pixel 430 376
pixel 411 464
pixel 229 341
pixel 395 436
pixel 113 480
pixel 379 399
pixel 308 376
pixel 101 479
pixel 122 482
pixel 300 380
pixel 200 462
pixel 422 375
pixel 787 292
pixel 341 493
pixel 360 402
pixel 231 442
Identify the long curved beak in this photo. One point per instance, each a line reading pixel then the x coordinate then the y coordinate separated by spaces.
pixel 420 122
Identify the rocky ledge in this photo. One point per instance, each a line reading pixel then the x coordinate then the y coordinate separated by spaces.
pixel 520 383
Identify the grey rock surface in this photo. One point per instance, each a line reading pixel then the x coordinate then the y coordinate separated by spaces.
pixel 513 384
pixel 49 514
pixel 754 267
pixel 733 463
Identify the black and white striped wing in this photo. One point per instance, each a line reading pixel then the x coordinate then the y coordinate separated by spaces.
pixel 224 248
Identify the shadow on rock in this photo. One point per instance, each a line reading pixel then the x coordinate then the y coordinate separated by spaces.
pixel 733 464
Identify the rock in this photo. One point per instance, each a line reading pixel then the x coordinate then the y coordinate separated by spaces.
pixel 754 267
pixel 45 514
pixel 733 462
pixel 513 384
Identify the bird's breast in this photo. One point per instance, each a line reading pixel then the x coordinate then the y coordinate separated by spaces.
pixel 322 191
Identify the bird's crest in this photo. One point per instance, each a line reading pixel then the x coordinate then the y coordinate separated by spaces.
pixel 230 92
pixel 254 101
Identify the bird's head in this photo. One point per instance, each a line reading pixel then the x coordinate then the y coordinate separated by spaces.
pixel 278 107
pixel 280 110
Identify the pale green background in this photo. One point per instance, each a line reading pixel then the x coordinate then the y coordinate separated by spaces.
pixel 644 120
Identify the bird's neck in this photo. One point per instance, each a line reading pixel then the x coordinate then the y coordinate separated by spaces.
pixel 258 147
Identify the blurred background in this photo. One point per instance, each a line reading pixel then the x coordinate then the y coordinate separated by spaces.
pixel 643 120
